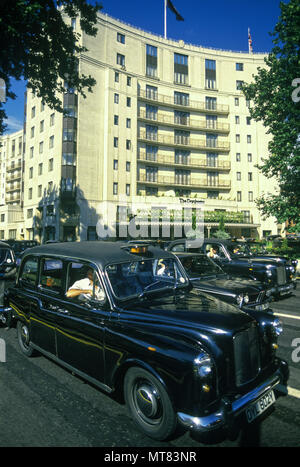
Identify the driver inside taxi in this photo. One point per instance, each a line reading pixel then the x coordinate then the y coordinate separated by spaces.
pixel 83 288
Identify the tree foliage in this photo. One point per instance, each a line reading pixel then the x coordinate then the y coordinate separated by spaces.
pixel 39 46
pixel 275 101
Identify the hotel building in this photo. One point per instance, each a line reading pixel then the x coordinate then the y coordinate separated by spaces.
pixel 165 119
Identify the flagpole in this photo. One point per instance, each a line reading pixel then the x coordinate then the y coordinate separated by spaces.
pixel 165 19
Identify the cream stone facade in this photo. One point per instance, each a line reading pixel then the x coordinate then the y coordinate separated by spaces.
pixel 164 119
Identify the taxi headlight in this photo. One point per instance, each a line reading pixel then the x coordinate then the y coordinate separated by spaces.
pixel 277 327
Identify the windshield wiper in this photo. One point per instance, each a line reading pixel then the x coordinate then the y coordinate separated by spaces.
pixel 141 295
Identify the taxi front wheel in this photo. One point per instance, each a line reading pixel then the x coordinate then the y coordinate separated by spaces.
pixel 149 404
pixel 23 334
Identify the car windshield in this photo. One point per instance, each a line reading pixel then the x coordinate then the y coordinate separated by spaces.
pixel 238 249
pixel 257 249
pixel 138 278
pixel 196 266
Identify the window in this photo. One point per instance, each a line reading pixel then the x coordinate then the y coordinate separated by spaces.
pixel 151 60
pixel 248 120
pixel 84 273
pixel 239 196
pixel 29 213
pixel 238 176
pixel 238 157
pixel 121 59
pixel 31 172
pixel 32 132
pixel 33 112
pixel 151 174
pixel 31 152
pixel 249 139
pixel 51 274
pixel 128 101
pixel 181 118
pixel 40 169
pixel 236 101
pixel 128 122
pixel 115 164
pixel 182 156
pixel 151 92
pixel 182 177
pixel 151 112
pixel 237 138
pixel 51 142
pixel 29 271
pixel 181 137
pixel 128 80
pixel 250 177
pixel 249 156
pixel 210 103
pixel 181 70
pixel 151 132
pixel 117 75
pixel 50 165
pixel 116 142
pixel 211 141
pixel 239 84
pixel 127 189
pixel 116 119
pixel 237 120
pixel 239 66
pixel 40 188
pixel 120 38
pixel 41 147
pixel 127 166
pixel 115 188
pixel 210 74
pixel 151 152
pixel 116 98
pixel 42 126
pixel 52 119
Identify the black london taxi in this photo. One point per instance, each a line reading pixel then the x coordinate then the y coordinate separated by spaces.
pixel 127 319
pixel 235 258
pixel 7 278
pixel 209 277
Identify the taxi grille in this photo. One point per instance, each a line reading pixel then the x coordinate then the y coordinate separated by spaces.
pixel 281 275
pixel 246 355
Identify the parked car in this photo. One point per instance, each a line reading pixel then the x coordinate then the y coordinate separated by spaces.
pixel 7 278
pixel 19 246
pixel 126 318
pixel 207 276
pixel 235 258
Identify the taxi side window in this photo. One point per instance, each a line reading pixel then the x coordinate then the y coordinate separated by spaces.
pixel 51 274
pixel 83 283
pixel 178 247
pixel 29 272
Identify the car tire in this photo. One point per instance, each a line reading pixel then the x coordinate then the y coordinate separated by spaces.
pixel 23 334
pixel 149 404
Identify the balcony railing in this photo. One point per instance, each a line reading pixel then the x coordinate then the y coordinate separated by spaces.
pixel 154 179
pixel 191 163
pixel 184 103
pixel 185 122
pixel 184 141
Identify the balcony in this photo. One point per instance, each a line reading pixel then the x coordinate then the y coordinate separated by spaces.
pixel 187 182
pixel 150 96
pixel 184 122
pixel 158 160
pixel 184 141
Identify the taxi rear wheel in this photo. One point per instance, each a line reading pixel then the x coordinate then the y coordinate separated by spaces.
pixel 149 404
pixel 24 339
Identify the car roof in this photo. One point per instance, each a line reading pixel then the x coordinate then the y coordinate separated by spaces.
pixel 100 252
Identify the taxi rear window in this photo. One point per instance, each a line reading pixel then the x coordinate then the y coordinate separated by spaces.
pixel 52 274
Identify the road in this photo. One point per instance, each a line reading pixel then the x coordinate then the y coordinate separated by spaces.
pixel 42 404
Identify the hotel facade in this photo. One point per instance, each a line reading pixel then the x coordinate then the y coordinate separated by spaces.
pixel 165 120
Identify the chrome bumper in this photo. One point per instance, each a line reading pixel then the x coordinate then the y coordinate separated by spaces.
pixel 228 411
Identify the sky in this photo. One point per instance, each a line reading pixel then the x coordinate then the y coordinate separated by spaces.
pixel 222 24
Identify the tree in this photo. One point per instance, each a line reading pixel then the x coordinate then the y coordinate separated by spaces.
pixel 275 101
pixel 40 47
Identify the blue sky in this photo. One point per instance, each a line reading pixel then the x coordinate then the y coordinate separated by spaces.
pixel 222 24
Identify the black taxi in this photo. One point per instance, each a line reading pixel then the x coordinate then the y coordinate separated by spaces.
pixel 7 278
pixel 126 318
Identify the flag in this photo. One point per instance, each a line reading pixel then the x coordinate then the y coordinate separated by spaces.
pixel 250 42
pixel 173 9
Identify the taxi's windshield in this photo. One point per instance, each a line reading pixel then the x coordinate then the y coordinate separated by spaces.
pixel 138 278
pixel 239 249
pixel 199 266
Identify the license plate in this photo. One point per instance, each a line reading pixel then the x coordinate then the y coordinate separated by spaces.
pixel 258 407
